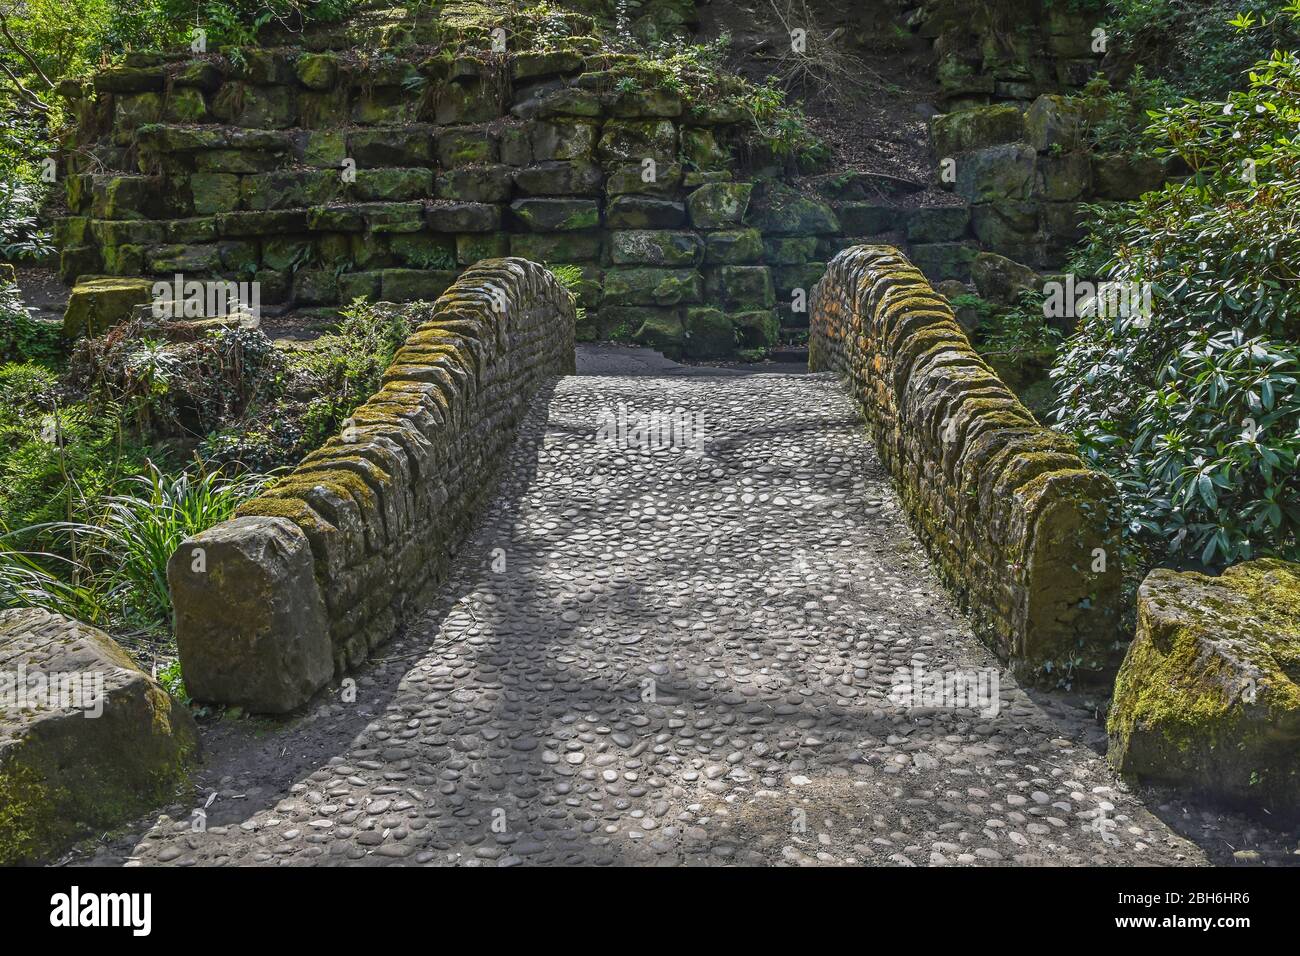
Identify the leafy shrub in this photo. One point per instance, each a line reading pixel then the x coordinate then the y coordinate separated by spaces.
pixel 140 527
pixel 346 367
pixel 1195 412
pixel 56 451
pixel 316 390
pixel 21 234
pixel 22 338
pixel 1194 44
pixel 26 580
pixel 1117 117
pixel 570 276
pixel 1018 332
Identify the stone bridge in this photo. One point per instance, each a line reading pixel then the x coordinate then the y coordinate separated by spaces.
pixel 692 623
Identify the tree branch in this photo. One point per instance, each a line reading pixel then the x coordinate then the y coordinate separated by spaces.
pixel 30 98
pixel 18 47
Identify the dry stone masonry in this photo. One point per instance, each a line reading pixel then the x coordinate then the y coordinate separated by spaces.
pixel 325 177
pixel 1017 524
pixel 87 739
pixel 322 567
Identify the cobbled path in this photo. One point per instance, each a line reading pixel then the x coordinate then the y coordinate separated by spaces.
pixel 675 658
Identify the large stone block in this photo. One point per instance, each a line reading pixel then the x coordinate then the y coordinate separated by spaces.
pixel 97 305
pixel 787 213
pixel 709 334
pixel 250 619
pixel 641 286
pixel 644 212
pixel 633 141
pixel 1208 697
pixel 656 248
pixel 560 179
pixel 719 205
pixel 964 130
pixel 87 739
pixel 556 215
pixel 997 173
pixel 1055 123
pixel 1002 280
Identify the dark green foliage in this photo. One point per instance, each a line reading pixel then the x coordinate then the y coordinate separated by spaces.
pixel 1193 43
pixel 1196 411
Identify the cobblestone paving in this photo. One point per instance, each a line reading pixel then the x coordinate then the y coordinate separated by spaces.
pixel 684 659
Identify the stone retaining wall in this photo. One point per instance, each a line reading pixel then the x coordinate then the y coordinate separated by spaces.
pixel 324 178
pixel 1014 519
pixel 322 567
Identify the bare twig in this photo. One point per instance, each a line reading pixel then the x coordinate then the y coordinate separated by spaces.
pixel 28 97
pixel 820 64
pixel 22 51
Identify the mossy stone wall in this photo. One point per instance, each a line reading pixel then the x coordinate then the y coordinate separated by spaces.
pixel 325 178
pixel 1018 525
pixel 384 505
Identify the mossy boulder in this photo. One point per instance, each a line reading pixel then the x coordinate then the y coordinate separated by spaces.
pixel 658 180
pixel 742 288
pixel 640 286
pixel 780 251
pixel 719 205
pixel 255 107
pixel 871 219
pixel 659 329
pixel 633 141
pixel 560 178
pixel 110 745
pixel 561 141
pixel 656 248
pixel 944 260
pixel 1001 280
pixel 185 104
pixel 785 212
pixel 1208 697
pixel 964 130
pixel 556 247
pixel 471 247
pixel 317 71
pixel 1118 176
pixel 757 330
pixel 701 149
pixel 410 285
pixel 997 173
pixel 556 215
pixel 98 304
pixel 1055 122
pixel 937 223
pixel 733 246
pixel 214 192
pixel 489 183
pixel 380 185
pixel 466 147
pixel 709 334
pixel 644 212
pixel 1063 176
